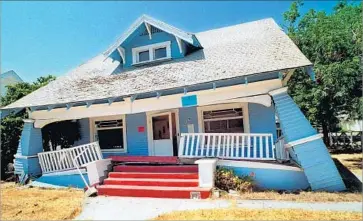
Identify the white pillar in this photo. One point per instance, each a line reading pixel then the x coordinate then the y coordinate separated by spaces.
pixel 206 172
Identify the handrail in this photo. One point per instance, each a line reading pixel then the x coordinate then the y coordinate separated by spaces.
pixel 61 160
pixel 227 145
pixel 78 168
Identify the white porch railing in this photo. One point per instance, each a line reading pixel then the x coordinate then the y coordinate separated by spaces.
pixel 61 160
pixel 281 152
pixel 227 145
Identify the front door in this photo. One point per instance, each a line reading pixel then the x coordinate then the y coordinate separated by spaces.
pixel 164 134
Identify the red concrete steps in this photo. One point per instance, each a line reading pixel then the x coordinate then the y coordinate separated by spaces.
pixel 152 182
pixel 157 169
pixel 152 191
pixel 153 175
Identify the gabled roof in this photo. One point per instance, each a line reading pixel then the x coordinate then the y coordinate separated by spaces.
pixel 240 50
pixel 188 37
pixel 10 73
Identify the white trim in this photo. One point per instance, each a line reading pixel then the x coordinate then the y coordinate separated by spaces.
pixel 153 22
pixel 278 91
pixel 114 117
pixel 244 106
pixel 257 165
pixel 148 29
pixel 28 120
pixel 179 41
pixel 303 140
pixel 151 48
pixel 65 173
pixel 151 114
pixel 25 157
pixel 121 51
pixel 236 94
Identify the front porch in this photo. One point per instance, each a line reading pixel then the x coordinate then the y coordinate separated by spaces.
pixel 242 130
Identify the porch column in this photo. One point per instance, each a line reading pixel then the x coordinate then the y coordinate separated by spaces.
pixel 30 144
pixel 307 144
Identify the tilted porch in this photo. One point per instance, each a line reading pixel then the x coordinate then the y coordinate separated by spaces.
pixel 242 130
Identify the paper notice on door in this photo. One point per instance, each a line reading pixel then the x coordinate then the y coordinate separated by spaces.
pixel 190 128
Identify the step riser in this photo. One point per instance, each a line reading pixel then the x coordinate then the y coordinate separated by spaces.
pixel 154 176
pixel 150 193
pixel 156 169
pixel 148 159
pixel 151 183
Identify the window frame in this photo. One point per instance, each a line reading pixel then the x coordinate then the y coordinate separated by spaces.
pixel 93 131
pixel 245 116
pixel 151 48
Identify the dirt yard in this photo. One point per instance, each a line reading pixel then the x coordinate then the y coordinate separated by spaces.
pixel 259 214
pixel 19 203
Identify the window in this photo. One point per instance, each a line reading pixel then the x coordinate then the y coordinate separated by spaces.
pixel 223 121
pixel 110 134
pixel 144 56
pixel 149 53
pixel 160 53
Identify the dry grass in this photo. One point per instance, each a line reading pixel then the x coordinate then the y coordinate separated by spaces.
pixel 259 214
pixel 299 197
pixel 352 161
pixel 18 203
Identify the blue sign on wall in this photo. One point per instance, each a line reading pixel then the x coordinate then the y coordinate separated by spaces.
pixel 190 100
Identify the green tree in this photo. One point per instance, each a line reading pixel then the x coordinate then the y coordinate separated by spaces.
pixel 332 42
pixel 11 126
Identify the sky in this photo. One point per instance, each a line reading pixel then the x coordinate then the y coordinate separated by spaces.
pixel 53 37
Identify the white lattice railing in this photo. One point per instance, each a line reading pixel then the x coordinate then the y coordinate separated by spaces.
pixel 227 145
pixel 61 160
pixel 282 153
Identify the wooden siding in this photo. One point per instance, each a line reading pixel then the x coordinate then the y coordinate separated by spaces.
pixel 313 156
pixel 135 40
pixel 188 115
pixel 30 144
pixel 262 119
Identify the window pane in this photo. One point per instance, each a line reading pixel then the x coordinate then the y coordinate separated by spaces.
pixel 235 126
pixel 160 53
pixel 144 56
pixel 111 138
pixel 161 127
pixel 235 112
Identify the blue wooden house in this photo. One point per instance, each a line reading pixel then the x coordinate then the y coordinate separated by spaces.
pixel 185 103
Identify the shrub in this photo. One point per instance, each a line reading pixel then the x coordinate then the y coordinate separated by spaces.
pixel 227 180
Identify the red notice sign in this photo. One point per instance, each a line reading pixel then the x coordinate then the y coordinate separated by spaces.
pixel 141 129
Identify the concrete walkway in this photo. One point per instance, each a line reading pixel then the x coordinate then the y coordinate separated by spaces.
pixel 129 208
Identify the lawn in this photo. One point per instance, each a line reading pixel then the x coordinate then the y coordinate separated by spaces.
pixel 352 161
pixel 303 196
pixel 19 203
pixel 259 214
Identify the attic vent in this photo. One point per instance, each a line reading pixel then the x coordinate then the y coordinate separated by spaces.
pixel 153 30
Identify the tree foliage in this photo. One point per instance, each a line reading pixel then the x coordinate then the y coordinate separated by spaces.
pixel 332 42
pixel 11 126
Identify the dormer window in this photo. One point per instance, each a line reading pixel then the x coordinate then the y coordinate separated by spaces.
pixel 143 56
pixel 150 53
